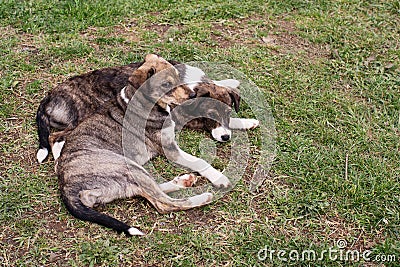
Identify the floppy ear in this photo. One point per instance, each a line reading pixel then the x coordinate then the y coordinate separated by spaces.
pixel 151 72
pixel 232 86
pixel 140 75
pixel 202 92
pixel 137 78
pixel 234 94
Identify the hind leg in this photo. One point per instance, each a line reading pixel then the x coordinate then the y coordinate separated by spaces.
pixel 94 197
pixel 138 182
pixel 150 190
pixel 57 141
pixel 153 193
pixel 107 191
pixel 164 204
pixel 178 183
pixel 90 198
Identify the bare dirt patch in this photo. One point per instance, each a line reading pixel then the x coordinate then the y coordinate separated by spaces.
pixel 280 36
pixel 162 29
pixel 233 33
pixel 284 40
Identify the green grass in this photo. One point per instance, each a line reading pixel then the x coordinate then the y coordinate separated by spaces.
pixel 330 73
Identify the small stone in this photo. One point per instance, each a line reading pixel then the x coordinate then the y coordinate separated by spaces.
pixel 53 257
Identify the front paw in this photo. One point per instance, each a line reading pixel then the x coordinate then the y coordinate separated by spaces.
pixel 217 178
pixel 222 183
pixel 251 124
pixel 243 124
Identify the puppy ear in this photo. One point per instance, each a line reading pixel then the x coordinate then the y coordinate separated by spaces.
pixel 151 57
pixel 137 78
pixel 202 91
pixel 234 94
pixel 140 75
pixel 231 83
pixel 151 72
pixel 232 86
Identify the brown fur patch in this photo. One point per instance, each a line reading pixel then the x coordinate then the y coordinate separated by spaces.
pixel 153 64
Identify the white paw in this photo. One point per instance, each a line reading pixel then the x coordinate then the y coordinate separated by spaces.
pixel 243 124
pixel 186 180
pixel 222 182
pixel 56 149
pixel 251 123
pixel 216 178
pixel 202 199
pixel 178 183
pixel 134 231
pixel 42 154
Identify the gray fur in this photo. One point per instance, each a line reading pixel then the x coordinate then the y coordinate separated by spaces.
pixel 93 169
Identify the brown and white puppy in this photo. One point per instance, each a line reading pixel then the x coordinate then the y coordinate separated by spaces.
pixel 96 168
pixel 225 91
pixel 80 96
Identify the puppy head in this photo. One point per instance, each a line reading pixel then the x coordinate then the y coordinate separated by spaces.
pixel 159 81
pixel 152 64
pixel 217 121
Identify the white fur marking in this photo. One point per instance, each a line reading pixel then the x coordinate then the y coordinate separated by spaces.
pixel 168 109
pixel 42 154
pixel 231 83
pixel 218 132
pixel 123 96
pixel 193 75
pixel 216 177
pixel 135 231
pixel 178 183
pixel 56 149
pixel 184 179
pixel 201 199
pixel 169 187
pixel 243 124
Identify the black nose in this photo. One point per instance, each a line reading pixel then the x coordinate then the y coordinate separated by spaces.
pixel 225 137
pixel 192 95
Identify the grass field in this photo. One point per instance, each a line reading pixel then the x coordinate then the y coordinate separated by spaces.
pixel 330 71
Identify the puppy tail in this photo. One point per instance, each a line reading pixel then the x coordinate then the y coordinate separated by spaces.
pixel 82 212
pixel 43 129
